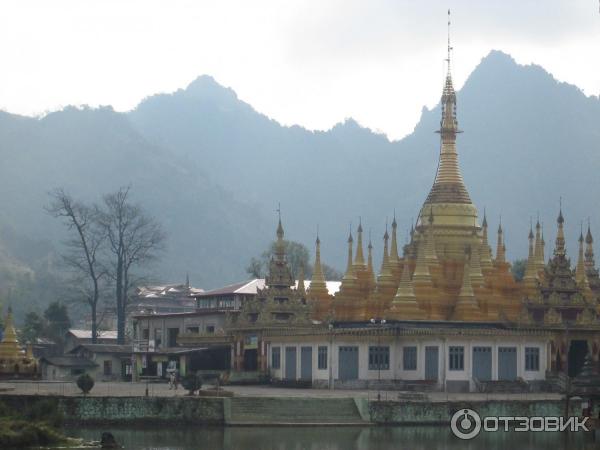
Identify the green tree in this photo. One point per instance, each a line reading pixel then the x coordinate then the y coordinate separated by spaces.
pixel 297 256
pixel 85 382
pixel 57 321
pixel 34 327
pixel 518 268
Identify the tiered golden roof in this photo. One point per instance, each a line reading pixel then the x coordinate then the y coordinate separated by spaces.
pixel 447 271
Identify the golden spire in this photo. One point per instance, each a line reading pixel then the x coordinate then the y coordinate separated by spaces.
pixel 9 347
pixel 318 279
pixel 359 260
pixel 559 249
pixel 279 272
pixel 500 249
pixel 394 258
pixel 539 248
pixel 349 275
pixel 580 273
pixel 301 289
pixel 430 255
pixel 543 258
pixel 280 244
pixel 385 263
pixel 448 186
pixel 531 268
pixel 404 304
pixel 370 269
pixel 475 253
pixel 485 254
pixel 589 250
pixel 466 307
pixel 421 273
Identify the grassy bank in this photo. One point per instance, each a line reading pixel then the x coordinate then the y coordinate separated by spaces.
pixel 33 425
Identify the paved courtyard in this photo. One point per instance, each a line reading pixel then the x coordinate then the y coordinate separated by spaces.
pixel 123 389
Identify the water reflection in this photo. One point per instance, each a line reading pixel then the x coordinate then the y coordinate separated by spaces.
pixel 330 438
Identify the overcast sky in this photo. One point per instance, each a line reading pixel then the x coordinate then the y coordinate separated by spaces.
pixel 311 63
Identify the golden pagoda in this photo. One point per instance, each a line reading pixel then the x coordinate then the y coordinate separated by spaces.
pixel 429 282
pixel 14 362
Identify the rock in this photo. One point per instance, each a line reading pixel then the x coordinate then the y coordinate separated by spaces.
pixel 108 441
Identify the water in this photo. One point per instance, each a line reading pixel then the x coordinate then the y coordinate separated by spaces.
pixel 329 438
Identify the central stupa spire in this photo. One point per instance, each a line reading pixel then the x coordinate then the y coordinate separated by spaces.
pixel 448 186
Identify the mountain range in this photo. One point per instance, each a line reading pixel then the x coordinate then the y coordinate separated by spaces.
pixel 212 170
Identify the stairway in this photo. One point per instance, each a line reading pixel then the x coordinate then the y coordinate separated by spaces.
pixel 293 410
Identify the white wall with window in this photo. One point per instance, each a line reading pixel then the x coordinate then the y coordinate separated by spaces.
pixel 438 359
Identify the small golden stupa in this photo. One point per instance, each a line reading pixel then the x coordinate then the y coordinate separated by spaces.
pixel 14 362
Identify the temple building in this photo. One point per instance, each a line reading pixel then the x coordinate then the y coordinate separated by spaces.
pixel 443 312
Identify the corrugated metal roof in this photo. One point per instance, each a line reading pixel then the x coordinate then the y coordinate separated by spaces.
pixel 250 287
pixel 87 334
pixel 104 348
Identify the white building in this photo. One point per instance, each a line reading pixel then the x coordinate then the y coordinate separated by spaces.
pixel 445 356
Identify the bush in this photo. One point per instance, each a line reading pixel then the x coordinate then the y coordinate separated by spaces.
pixel 45 410
pixel 192 383
pixel 85 383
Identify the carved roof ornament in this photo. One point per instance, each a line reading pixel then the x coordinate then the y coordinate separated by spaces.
pixel 280 304
pixel 552 317
pixel 587 317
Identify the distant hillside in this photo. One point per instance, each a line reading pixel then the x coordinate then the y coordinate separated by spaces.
pixel 528 140
pixel 212 169
pixel 92 152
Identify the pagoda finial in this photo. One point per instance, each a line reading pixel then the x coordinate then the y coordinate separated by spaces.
pixel 280 245
pixel 500 249
pixel 559 249
pixel 317 284
pixel 301 289
pixel 580 272
pixel 486 252
pixel 589 250
pixel 349 275
pixel 449 46
pixel 370 269
pixel 359 260
pixel 538 252
pixel 531 267
pixel 386 259
pixel 394 257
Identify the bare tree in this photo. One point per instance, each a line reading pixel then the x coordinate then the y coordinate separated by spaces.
pixel 83 248
pixel 134 239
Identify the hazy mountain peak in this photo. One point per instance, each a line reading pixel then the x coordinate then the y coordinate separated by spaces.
pixel 206 87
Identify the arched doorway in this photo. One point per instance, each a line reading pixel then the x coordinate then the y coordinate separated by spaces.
pixel 577 351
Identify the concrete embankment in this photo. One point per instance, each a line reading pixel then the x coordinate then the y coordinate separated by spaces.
pixel 276 410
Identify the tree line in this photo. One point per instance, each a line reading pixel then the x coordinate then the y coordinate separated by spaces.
pixel 108 243
pixel 298 257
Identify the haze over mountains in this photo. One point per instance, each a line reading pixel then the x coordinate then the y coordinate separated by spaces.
pixel 212 170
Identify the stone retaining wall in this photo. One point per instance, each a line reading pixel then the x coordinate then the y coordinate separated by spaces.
pixel 420 413
pixel 201 410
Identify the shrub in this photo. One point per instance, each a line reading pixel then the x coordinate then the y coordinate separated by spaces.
pixel 192 383
pixel 85 383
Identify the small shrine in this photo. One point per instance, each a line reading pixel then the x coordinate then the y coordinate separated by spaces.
pixel 14 361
